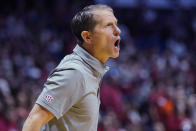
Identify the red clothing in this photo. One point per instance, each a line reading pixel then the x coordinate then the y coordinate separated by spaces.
pixel 7 126
pixel 111 98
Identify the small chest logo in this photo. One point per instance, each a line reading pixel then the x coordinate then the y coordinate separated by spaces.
pixel 49 98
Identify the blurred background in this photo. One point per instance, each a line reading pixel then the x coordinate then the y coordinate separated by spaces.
pixel 150 87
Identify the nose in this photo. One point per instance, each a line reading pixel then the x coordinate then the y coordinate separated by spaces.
pixel 117 31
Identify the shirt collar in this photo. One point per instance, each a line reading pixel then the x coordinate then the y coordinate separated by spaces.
pixel 90 60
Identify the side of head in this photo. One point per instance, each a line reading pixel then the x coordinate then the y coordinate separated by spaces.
pixel 85 20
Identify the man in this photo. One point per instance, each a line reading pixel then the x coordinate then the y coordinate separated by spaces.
pixel 70 98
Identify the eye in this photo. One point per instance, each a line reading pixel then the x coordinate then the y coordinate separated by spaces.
pixel 109 24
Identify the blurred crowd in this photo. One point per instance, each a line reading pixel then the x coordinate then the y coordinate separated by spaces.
pixel 150 87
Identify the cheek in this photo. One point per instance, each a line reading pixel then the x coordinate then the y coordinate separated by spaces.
pixel 103 38
pixel 107 37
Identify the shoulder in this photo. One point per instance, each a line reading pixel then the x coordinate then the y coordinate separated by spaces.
pixel 65 79
pixel 71 66
pixel 71 61
pixel 69 73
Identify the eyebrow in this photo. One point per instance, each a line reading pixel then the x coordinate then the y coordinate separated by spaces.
pixel 115 21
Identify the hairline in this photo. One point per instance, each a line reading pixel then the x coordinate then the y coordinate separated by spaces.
pixel 92 11
pixel 95 13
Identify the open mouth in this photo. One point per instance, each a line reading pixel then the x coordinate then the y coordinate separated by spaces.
pixel 117 43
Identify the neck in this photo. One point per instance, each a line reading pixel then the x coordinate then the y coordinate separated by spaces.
pixel 92 51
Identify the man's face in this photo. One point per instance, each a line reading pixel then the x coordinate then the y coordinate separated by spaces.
pixel 105 36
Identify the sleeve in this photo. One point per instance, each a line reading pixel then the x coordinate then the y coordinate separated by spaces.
pixel 62 90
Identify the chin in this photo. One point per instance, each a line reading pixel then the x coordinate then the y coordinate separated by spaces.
pixel 115 55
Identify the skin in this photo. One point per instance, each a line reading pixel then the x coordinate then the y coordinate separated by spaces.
pixel 100 44
pixel 38 117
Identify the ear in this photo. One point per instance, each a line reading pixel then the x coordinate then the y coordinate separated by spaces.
pixel 86 36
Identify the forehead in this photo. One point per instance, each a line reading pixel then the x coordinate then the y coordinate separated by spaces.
pixel 104 16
